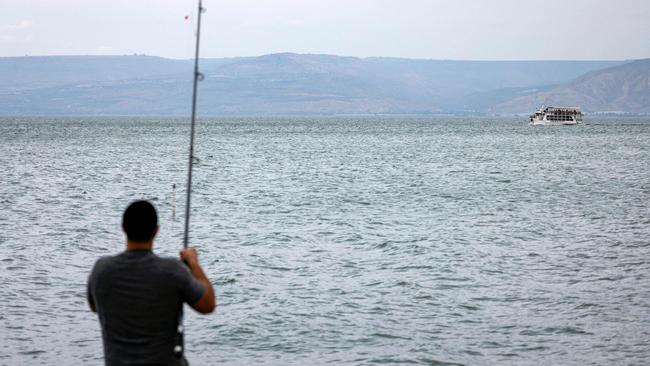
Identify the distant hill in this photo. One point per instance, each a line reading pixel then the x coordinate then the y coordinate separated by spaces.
pixel 31 72
pixel 624 88
pixel 278 84
pixel 306 84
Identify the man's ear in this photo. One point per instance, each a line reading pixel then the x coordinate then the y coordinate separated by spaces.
pixel 155 231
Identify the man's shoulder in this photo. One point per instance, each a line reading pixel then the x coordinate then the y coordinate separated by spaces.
pixel 102 266
pixel 120 262
pixel 170 270
pixel 169 263
pixel 103 262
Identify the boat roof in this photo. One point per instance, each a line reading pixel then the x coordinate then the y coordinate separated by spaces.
pixel 561 107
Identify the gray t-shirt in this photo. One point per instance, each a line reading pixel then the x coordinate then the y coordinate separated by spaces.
pixel 138 297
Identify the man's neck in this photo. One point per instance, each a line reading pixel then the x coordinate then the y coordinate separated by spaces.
pixel 134 245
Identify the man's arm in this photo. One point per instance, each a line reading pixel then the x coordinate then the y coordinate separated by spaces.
pixel 207 302
pixel 89 296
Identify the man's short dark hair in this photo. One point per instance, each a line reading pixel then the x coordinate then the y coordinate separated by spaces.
pixel 139 221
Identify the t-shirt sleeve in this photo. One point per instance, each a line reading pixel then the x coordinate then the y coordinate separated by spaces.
pixel 89 294
pixel 190 288
pixel 91 284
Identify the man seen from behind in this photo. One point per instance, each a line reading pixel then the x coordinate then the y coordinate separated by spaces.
pixel 138 296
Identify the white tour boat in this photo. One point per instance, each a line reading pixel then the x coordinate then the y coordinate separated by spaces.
pixel 554 116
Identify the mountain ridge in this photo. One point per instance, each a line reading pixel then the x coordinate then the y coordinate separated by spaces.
pixel 278 84
pixel 622 88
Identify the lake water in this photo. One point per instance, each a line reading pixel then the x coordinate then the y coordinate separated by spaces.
pixel 436 241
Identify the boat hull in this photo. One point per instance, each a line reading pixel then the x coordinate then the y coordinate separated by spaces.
pixel 538 122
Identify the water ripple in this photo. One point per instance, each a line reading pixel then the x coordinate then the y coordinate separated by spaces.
pixel 342 241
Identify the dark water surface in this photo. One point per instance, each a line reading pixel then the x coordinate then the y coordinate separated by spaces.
pixel 342 241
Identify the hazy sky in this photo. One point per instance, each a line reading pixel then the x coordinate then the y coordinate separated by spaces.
pixel 437 29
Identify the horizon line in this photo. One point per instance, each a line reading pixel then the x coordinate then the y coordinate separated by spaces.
pixel 326 54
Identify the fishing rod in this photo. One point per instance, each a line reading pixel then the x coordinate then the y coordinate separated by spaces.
pixel 197 77
pixel 179 348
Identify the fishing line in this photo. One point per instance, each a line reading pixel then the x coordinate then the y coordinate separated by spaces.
pixel 173 204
